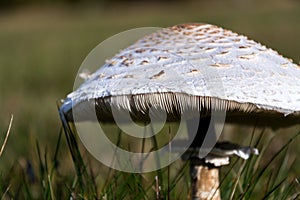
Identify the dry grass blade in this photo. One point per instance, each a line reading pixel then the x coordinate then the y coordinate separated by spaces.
pixel 6 191
pixel 7 134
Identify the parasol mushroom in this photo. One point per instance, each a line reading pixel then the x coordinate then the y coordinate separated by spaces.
pixel 197 69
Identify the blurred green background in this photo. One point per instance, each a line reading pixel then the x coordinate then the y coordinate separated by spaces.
pixel 42 45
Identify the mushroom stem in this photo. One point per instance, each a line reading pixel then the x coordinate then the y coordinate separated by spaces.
pixel 205 181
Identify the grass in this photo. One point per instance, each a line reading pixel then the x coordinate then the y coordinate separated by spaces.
pixel 7 134
pixel 41 50
pixel 260 177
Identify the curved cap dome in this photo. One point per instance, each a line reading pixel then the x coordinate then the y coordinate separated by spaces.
pixel 172 67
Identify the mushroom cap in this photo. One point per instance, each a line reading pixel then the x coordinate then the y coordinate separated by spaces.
pixel 179 68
